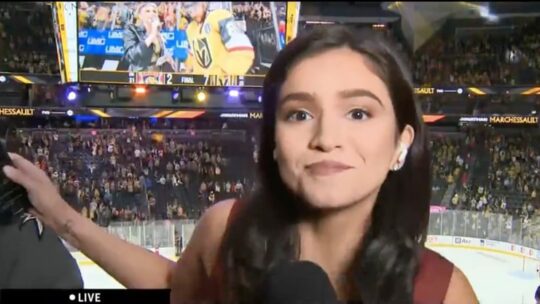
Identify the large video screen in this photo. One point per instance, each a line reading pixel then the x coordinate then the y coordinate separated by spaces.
pixel 179 43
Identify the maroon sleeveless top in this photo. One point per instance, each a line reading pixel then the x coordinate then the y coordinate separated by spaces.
pixel 430 284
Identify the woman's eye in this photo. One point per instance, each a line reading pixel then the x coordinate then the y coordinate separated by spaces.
pixel 298 116
pixel 358 114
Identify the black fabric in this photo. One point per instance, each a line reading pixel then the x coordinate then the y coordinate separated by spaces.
pixel 297 283
pixel 29 260
pixel 137 53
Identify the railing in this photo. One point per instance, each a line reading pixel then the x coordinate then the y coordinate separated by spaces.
pixel 153 234
pixel 497 227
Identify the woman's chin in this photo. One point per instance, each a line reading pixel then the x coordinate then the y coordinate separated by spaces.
pixel 327 201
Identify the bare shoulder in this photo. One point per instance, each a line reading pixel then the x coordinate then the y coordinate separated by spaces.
pixel 460 290
pixel 210 230
pixel 217 216
pixel 195 266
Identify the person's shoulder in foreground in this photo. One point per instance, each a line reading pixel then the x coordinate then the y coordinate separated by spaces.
pixel 196 265
pixel 214 222
pixel 34 257
pixel 437 275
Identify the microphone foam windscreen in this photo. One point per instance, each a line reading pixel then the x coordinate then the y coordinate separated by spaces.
pixel 299 282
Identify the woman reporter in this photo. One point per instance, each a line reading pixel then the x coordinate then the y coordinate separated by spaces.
pixel 345 183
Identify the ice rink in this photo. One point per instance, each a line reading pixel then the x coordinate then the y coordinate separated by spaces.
pixel 496 278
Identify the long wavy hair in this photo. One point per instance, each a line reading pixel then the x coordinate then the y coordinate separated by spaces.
pixel 264 231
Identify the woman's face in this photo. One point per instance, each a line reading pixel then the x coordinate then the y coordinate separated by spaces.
pixel 336 133
pixel 148 13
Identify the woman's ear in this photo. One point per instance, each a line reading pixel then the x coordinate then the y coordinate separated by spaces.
pixel 407 135
pixel 406 139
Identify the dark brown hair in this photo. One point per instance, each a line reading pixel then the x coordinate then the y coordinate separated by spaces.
pixel 264 232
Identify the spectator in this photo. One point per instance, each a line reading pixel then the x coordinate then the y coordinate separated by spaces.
pixel 481 59
pixel 37 52
pixel 112 174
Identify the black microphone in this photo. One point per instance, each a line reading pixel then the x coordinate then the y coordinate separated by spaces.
pixel 299 282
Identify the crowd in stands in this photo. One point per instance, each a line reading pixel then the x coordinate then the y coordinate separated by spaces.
pixel 139 170
pixel 256 11
pixel 511 180
pixel 451 161
pixel 493 173
pixel 35 51
pixel 483 59
pixel 506 183
pixel 508 56
pixel 137 173
pixel 27 40
pixel 114 16
pixel 141 161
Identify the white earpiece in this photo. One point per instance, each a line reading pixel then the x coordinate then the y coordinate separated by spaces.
pixel 401 158
pixel 274 154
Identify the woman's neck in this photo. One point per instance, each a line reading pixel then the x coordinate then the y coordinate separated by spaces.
pixel 332 240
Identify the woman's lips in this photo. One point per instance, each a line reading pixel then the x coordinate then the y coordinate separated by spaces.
pixel 327 167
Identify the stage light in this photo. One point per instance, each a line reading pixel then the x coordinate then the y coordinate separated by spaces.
pixel 201 96
pixel 69 112
pixel 234 93
pixel 140 90
pixel 259 99
pixel 71 96
pixel 176 96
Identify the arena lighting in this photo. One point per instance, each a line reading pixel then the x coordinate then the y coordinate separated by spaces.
pixel 69 112
pixel 140 90
pixel 319 22
pixel 71 96
pixel 234 93
pixel 176 96
pixel 201 96
pixel 485 13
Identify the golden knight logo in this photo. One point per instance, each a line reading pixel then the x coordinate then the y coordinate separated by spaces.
pixel 202 53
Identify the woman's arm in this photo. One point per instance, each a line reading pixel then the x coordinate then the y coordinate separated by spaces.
pixel 130 265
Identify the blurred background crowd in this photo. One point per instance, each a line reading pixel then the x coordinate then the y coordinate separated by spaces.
pixel 135 170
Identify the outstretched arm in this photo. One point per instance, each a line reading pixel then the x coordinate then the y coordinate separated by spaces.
pixel 129 264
